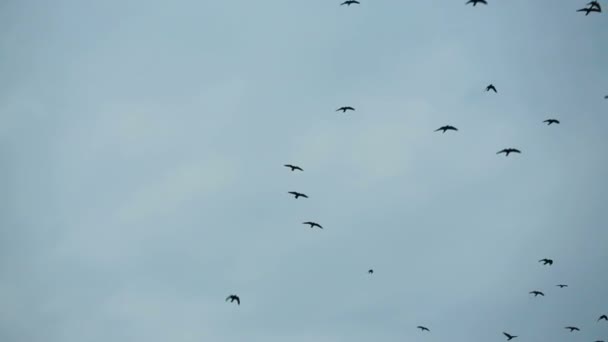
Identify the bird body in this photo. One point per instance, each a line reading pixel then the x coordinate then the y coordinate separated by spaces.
pixel 546 261
pixel 344 109
pixel 509 336
pixel 233 298
pixel 551 121
pixel 506 151
pixel 537 293
pixel 370 271
pixel 603 317
pixel 572 329
pixel 491 87
pixel 423 328
pixel 293 167
pixel 446 128
pixel 297 194
pixel 350 2
pixel 313 224
pixel 474 2
pixel 561 286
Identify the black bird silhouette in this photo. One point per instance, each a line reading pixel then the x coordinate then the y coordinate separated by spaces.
pixel 603 317
pixel 589 10
pixel 232 298
pixel 423 328
pixel 546 261
pixel 599 341
pixel 446 128
pixel 370 271
pixel 297 194
pixel 349 2
pixel 594 4
pixel 506 151
pixel 536 293
pixel 293 167
pixel 573 329
pixel 491 87
pixel 509 336
pixel 606 97
pixel 344 109
pixel 562 285
pixel 474 2
pixel 313 224
pixel 551 121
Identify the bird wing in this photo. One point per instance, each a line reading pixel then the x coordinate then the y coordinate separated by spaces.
pixel 501 151
pixel 303 195
pixel 504 333
pixel 298 168
pixel 238 300
pixel 515 150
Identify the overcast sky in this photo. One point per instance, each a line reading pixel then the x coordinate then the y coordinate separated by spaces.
pixel 142 146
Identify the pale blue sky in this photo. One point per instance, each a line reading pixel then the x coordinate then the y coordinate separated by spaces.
pixel 142 145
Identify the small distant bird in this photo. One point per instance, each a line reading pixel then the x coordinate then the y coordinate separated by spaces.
pixel 506 151
pixel 491 87
pixel 546 261
pixel 606 97
pixel 446 128
pixel 589 10
pixel 603 317
pixel 551 121
pixel 293 167
pixel 509 336
pixel 313 224
pixel 599 341
pixel 297 194
pixel 562 285
pixel 573 329
pixel 344 109
pixel 233 298
pixel 537 293
pixel 370 271
pixel 349 2
pixel 423 328
pixel 474 2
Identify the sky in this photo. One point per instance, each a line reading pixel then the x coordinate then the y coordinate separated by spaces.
pixel 142 146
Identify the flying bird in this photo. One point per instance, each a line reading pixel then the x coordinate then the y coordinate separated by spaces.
pixel 233 298
pixel 297 194
pixel 293 167
pixel 344 109
pixel 606 97
pixel 573 329
pixel 561 286
pixel 603 317
pixel 370 271
pixel 474 2
pixel 446 128
pixel 546 261
pixel 491 87
pixel 313 224
pixel 551 121
pixel 349 2
pixel 589 10
pixel 423 328
pixel 537 293
pixel 506 151
pixel 509 336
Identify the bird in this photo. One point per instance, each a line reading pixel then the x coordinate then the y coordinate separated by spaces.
pixel 551 121
pixel 536 293
pixel 561 286
pixel 506 151
pixel 313 224
pixel 509 336
pixel 474 2
pixel 572 329
pixel 589 10
pixel 603 317
pixel 232 298
pixel 599 341
pixel 446 128
pixel 594 4
pixel 606 97
pixel 370 271
pixel 293 167
pixel 546 261
pixel 344 109
pixel 423 328
pixel 349 2
pixel 297 194
pixel 491 87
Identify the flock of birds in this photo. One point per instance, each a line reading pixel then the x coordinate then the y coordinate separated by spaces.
pixel 592 6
